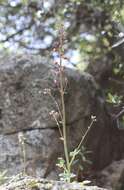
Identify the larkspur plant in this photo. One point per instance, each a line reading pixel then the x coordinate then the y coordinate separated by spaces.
pixel 60 116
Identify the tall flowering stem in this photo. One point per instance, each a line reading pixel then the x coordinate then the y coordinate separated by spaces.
pixel 62 92
pixel 61 83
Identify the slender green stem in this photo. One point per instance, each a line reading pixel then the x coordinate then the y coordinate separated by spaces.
pixel 85 135
pixel 63 111
pixel 64 122
pixel 61 135
pixel 82 140
pixel 57 105
pixel 23 150
pixel 24 157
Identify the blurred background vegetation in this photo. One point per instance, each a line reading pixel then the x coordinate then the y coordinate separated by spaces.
pixel 94 36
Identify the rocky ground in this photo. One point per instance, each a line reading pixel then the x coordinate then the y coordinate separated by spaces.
pixel 29 183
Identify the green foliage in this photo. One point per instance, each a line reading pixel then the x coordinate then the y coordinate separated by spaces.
pixel 3 177
pixel 114 99
pixel 65 175
pixel 25 2
pixel 84 161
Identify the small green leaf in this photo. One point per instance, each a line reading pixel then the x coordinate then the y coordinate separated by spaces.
pixel 114 99
pixel 3 177
pixel 25 2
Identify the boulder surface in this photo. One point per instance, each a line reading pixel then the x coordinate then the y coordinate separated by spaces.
pixel 24 109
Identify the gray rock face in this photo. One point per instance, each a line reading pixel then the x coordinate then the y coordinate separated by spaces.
pixel 25 108
pixel 112 177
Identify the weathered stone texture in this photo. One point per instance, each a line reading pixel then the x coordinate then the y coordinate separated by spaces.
pixel 25 108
